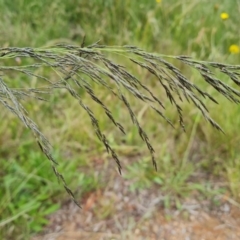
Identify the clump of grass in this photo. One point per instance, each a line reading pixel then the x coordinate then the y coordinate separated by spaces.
pixel 78 67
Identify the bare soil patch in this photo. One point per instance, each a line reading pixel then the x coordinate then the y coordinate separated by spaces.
pixel 117 213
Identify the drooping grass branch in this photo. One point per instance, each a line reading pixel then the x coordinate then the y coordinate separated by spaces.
pixel 77 66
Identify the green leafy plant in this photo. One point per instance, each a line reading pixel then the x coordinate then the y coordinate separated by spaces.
pixel 29 192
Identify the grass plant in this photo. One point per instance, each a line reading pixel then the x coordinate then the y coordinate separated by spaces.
pixel 78 67
pixel 121 88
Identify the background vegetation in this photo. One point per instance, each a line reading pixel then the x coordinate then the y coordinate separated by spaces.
pixel 202 163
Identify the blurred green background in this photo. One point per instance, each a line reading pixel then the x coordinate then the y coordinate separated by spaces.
pixel 201 162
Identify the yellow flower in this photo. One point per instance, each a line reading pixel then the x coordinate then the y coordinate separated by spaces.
pixel 158 1
pixel 234 49
pixel 224 16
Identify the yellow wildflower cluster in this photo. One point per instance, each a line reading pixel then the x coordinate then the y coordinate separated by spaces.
pixel 233 48
pixel 158 1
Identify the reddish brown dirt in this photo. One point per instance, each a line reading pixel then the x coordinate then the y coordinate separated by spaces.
pixel 116 213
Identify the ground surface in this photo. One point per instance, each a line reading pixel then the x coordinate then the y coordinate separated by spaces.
pixel 117 213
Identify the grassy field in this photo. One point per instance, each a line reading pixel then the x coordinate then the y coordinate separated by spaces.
pixel 202 162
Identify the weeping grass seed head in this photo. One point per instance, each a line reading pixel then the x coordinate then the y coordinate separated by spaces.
pixel 75 66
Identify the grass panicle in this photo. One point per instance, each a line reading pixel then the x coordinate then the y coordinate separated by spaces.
pixel 77 67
